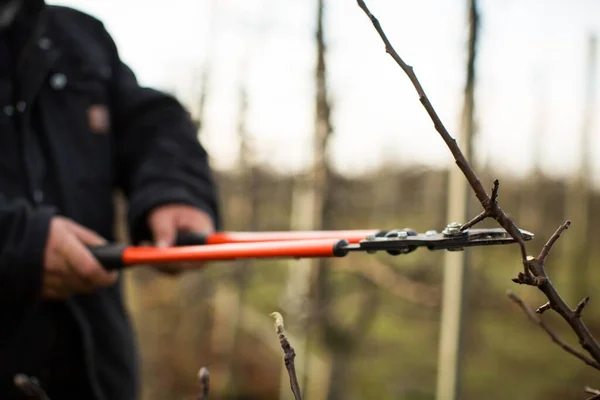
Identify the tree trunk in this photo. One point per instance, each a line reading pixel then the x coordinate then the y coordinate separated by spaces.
pixel 460 209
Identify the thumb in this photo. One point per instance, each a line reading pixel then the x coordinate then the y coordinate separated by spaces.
pixel 163 229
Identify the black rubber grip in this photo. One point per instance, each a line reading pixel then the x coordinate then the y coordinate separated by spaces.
pixel 185 238
pixel 110 255
pixel 340 249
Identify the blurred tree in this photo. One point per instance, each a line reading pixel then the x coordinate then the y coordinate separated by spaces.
pixel 461 207
pixel 249 214
pixel 205 75
pixel 577 209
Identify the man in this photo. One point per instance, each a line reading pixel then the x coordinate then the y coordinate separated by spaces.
pixel 74 127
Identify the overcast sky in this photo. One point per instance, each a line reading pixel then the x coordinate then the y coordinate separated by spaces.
pixel 532 63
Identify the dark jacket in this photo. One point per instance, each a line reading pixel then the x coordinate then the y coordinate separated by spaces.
pixel 60 155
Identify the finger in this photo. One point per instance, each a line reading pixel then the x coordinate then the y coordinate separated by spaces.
pixel 163 228
pixel 83 263
pixel 51 287
pixel 56 287
pixel 61 276
pixel 53 294
pixel 195 221
pixel 87 236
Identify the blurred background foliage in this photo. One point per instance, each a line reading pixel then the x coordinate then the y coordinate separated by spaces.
pixel 368 326
pixel 212 318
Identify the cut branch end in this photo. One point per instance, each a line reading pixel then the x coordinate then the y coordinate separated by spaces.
pixel 288 355
pixel 204 378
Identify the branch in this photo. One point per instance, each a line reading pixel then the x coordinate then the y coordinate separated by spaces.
pixel 548 246
pixel 555 338
pixel 289 355
pixel 30 387
pixel 490 205
pixel 556 303
pixel 534 273
pixel 204 378
pixel 592 391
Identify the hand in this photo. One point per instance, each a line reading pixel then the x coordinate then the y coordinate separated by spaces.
pixel 69 266
pixel 165 221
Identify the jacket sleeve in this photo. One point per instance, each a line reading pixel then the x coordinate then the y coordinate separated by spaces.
pixel 160 158
pixel 22 242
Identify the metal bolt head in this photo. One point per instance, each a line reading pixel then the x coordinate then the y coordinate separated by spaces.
pixel 452 228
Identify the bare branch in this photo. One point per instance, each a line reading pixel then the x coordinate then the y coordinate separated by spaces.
pixel 289 355
pixel 495 191
pixel 536 319
pixel 492 209
pixel 548 246
pixel 534 273
pixel 30 387
pixel 204 378
pixel 591 390
pixel 478 218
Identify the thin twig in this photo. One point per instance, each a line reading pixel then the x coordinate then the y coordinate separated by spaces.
pixel 548 246
pixel 289 355
pixel 536 319
pixel 591 390
pixel 581 305
pixel 477 219
pixel 495 191
pixel 533 269
pixel 204 378
pixel 30 387
pixel 594 392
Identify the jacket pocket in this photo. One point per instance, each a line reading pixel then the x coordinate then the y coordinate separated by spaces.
pixel 83 97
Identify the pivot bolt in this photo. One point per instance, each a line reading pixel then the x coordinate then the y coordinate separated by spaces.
pixel 452 229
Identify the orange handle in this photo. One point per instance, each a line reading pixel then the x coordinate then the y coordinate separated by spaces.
pixel 352 236
pixel 232 251
pixel 196 238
